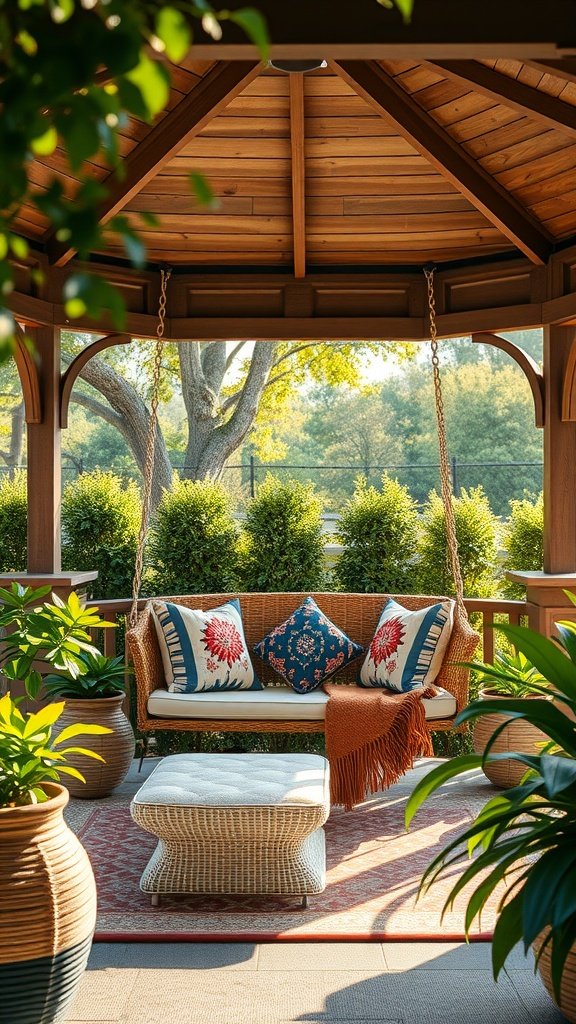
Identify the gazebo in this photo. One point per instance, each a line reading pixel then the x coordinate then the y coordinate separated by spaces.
pixel 447 142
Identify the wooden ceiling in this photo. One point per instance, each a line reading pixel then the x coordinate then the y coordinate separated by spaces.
pixel 362 164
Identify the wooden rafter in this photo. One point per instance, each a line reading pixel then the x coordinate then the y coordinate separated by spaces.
pixel 388 98
pixel 298 173
pixel 220 85
pixel 564 68
pixel 527 364
pixel 511 92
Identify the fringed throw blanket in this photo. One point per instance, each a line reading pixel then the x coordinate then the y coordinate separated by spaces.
pixel 372 738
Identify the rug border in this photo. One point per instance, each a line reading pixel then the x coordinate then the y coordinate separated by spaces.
pixel 263 937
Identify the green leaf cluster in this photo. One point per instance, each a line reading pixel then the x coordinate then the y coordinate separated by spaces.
pixel 13 522
pixel 71 73
pixel 100 523
pixel 510 674
pixel 476 534
pixel 522 844
pixel 524 541
pixel 193 540
pixel 30 755
pixel 101 676
pixel 282 547
pixel 378 529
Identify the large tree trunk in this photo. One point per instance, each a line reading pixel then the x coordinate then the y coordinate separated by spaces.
pixel 212 438
pixel 128 413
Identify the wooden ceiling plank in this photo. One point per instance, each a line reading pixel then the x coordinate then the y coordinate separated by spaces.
pixel 186 120
pixel 563 67
pixel 436 145
pixel 511 92
pixel 297 136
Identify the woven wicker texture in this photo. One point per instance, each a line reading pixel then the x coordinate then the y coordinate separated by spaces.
pixel 519 735
pixel 258 841
pixel 356 614
pixel 47 910
pixel 117 747
pixel 568 987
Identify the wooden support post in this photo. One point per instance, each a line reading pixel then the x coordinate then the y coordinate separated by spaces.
pixel 44 460
pixel 545 590
pixel 559 458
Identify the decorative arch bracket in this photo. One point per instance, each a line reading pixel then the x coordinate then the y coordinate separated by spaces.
pixel 77 365
pixel 29 378
pixel 529 368
pixel 569 388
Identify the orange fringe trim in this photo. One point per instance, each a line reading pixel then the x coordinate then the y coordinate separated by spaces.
pixel 394 730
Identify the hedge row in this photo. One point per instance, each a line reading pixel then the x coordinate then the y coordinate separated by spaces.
pixel 196 545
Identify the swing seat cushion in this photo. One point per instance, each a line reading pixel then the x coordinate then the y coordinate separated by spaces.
pixel 274 704
pixel 408 647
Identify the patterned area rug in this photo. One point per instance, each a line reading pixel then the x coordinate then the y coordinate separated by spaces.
pixel 374 867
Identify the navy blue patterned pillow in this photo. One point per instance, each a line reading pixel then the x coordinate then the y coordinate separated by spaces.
pixel 307 648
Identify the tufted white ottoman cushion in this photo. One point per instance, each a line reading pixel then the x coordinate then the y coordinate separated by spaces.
pixel 235 823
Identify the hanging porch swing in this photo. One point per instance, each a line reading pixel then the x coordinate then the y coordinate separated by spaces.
pixel 277 708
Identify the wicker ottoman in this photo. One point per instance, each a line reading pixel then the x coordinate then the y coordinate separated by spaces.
pixel 235 823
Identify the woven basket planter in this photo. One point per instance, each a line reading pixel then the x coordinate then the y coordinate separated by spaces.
pixel 47 911
pixel 567 1004
pixel 117 747
pixel 519 735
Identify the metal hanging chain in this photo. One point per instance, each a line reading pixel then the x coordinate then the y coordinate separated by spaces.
pixel 150 446
pixel 445 470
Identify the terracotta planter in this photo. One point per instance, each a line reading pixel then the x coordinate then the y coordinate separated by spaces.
pixel 47 911
pixel 117 747
pixel 567 1004
pixel 519 735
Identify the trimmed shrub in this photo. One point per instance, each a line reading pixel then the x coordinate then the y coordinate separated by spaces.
pixel 524 541
pixel 100 523
pixel 13 523
pixel 378 530
pixel 282 546
pixel 476 533
pixel 193 540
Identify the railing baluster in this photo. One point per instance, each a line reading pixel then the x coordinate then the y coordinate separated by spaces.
pixel 488 635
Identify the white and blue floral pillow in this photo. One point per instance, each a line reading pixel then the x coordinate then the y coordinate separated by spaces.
pixel 203 651
pixel 307 648
pixel 408 647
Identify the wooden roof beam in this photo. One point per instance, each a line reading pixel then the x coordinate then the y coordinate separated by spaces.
pixel 205 101
pixel 388 98
pixel 297 132
pixel 511 92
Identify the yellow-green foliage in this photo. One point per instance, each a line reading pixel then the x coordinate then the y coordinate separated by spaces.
pixel 13 523
pixel 282 547
pixel 100 522
pixel 378 530
pixel 476 533
pixel 524 540
pixel 193 540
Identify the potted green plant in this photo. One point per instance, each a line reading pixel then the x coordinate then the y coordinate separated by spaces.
pixel 96 695
pixel 524 839
pixel 48 894
pixel 510 675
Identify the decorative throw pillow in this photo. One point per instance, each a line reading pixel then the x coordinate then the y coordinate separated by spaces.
pixel 203 650
pixel 307 648
pixel 408 646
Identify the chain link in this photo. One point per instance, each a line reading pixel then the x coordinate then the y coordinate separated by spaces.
pixel 447 484
pixel 148 471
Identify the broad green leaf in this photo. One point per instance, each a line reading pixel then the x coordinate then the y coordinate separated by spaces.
pixel 436 778
pixel 544 879
pixel 43 718
pixel 153 83
pixel 84 751
pixel 45 144
pixel 78 729
pixel 507 933
pixel 558 773
pixel 254 25
pixel 174 31
pixel 67 769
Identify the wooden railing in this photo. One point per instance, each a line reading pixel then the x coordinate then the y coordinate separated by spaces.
pixel 483 612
